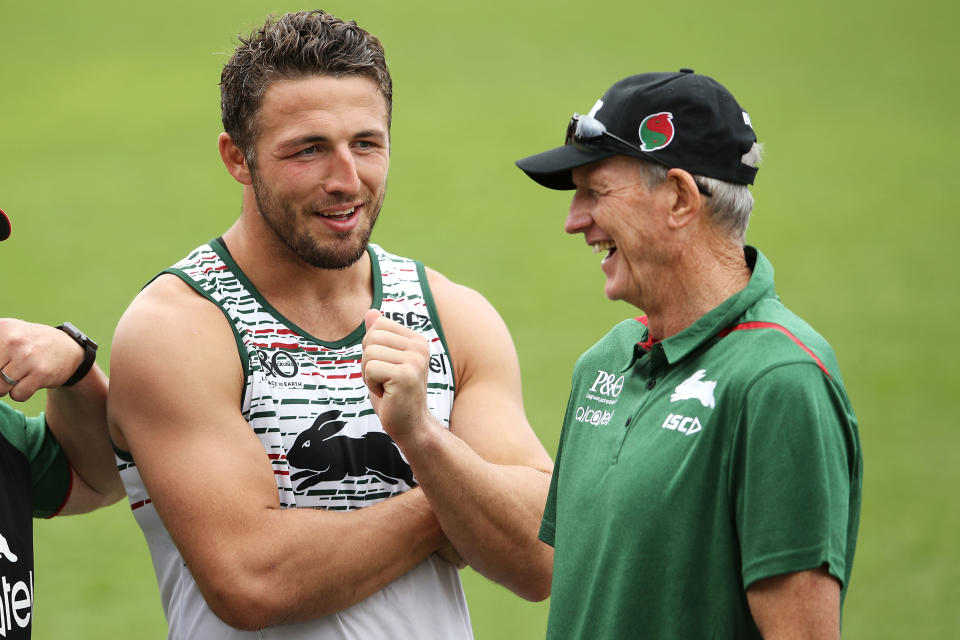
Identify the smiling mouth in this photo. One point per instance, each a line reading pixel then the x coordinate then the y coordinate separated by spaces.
pixel 339 215
pixel 605 245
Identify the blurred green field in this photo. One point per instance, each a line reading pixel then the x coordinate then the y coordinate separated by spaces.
pixel 109 169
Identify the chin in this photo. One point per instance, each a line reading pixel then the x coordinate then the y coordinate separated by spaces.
pixel 612 292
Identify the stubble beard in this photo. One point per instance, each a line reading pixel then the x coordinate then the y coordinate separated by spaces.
pixel 281 217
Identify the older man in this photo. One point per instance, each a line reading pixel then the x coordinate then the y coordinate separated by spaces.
pixel 707 483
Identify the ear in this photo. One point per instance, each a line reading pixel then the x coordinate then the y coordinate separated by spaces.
pixel 686 200
pixel 234 160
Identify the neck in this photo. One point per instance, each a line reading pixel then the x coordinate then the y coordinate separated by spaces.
pixel 697 282
pixel 328 303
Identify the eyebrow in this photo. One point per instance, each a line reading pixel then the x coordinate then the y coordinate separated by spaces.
pixel 315 139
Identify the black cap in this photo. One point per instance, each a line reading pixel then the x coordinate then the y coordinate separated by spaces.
pixel 4 226
pixel 678 119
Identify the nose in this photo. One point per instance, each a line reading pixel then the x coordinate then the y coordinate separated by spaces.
pixel 578 218
pixel 342 176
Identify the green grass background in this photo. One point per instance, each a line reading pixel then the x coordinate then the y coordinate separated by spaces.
pixel 109 169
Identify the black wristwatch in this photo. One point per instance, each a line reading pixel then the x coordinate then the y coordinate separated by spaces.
pixel 89 352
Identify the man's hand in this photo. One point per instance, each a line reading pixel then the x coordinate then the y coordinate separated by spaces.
pixel 448 552
pixel 395 369
pixel 35 357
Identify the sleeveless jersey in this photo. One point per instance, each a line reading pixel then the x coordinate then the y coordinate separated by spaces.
pixel 306 401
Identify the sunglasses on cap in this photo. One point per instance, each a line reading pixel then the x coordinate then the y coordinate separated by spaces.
pixel 586 131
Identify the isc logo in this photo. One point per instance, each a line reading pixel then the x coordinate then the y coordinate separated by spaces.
pixel 683 424
pixel 607 384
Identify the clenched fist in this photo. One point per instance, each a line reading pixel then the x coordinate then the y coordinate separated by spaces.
pixel 395 367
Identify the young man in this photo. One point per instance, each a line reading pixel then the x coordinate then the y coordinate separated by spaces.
pixel 57 463
pixel 708 479
pixel 319 432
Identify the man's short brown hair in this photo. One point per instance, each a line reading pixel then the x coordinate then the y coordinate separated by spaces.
pixel 296 45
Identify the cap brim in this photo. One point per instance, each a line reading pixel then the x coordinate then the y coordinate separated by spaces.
pixel 4 226
pixel 552 168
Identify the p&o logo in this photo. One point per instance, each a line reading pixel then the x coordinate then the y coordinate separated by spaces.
pixel 607 384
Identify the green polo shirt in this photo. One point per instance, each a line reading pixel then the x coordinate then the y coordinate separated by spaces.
pixel 690 468
pixel 46 473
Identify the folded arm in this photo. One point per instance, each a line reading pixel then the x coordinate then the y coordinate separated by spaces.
pixel 175 405
pixel 487 477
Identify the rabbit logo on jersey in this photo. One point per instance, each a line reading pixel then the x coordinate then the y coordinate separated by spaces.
pixel 326 456
pixel 16 598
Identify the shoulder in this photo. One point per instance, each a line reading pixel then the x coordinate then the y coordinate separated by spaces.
pixel 173 352
pixel 474 330
pixel 463 311
pixel 771 335
pixel 170 325
pixel 167 302
pixel 448 293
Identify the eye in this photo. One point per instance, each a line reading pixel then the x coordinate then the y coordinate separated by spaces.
pixel 309 151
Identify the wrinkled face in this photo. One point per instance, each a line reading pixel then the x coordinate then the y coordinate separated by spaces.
pixel 624 219
pixel 321 165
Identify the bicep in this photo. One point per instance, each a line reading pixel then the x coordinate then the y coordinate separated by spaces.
pixel 488 411
pixel 175 399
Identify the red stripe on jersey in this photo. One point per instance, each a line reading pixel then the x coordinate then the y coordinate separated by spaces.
pixel 209 269
pixel 770 325
pixel 279 332
pixel 142 503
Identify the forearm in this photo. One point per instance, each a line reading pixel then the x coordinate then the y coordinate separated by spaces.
pixel 77 416
pixel 491 513
pixel 271 573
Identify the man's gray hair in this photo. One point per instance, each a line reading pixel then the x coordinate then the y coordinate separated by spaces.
pixel 729 204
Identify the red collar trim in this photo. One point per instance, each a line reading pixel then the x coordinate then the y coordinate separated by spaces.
pixel 648 344
pixel 770 325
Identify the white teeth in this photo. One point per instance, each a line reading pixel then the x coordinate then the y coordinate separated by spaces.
pixel 604 245
pixel 340 214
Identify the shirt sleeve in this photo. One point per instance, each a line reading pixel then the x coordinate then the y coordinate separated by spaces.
pixel 792 470
pixel 548 525
pixel 49 469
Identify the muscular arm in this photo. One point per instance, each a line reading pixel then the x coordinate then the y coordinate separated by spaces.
pixel 804 605
pixel 175 405
pixel 487 477
pixel 42 357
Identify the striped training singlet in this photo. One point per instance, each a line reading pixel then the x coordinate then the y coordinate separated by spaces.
pixel 306 401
